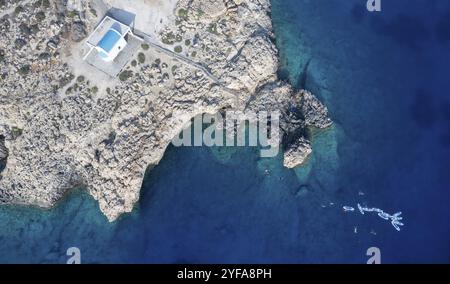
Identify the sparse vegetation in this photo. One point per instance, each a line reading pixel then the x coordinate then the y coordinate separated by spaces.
pixel 19 43
pixel 168 38
pixel 25 29
pixel 66 80
pixel 2 55
pixel 40 16
pixel 94 90
pixel 145 46
pixel 16 131
pixel 141 57
pixel 41 3
pixel 174 69
pixel 34 28
pixel 72 14
pixel 24 70
pixel 19 9
pixel 200 13
pixel 183 14
pixel 212 28
pixel 178 49
pixel 125 75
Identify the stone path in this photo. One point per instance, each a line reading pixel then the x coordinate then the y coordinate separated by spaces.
pixel 156 45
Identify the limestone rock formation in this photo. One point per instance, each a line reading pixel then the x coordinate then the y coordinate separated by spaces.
pixel 63 127
pixel 297 152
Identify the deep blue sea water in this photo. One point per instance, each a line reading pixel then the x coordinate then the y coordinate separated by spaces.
pixel 385 79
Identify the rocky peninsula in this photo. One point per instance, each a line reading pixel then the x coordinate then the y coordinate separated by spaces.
pixel 63 124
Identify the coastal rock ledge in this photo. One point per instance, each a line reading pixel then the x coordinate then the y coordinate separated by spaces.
pixel 64 123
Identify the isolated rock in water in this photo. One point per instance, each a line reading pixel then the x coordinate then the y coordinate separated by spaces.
pixel 314 112
pixel 296 153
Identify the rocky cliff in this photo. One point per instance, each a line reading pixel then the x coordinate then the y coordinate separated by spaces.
pixel 63 129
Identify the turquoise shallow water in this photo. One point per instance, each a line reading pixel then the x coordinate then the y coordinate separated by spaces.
pixel 383 77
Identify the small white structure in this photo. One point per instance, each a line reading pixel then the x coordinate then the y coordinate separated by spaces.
pixel 110 46
pixel 108 39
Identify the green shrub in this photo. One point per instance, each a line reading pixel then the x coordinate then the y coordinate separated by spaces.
pixel 40 16
pixel 24 70
pixel 19 9
pixel 133 63
pixel 125 75
pixel 174 68
pixel 194 54
pixel 19 43
pixel 34 28
pixel 168 38
pixel 178 49
pixel 80 78
pixel 94 90
pixel 212 28
pixel 183 13
pixel 16 131
pixel 200 13
pixel 72 14
pixel 145 46
pixel 93 12
pixel 141 57
pixel 187 42
pixel 66 80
